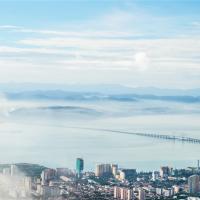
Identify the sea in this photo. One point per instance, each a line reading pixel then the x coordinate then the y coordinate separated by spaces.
pixel 55 133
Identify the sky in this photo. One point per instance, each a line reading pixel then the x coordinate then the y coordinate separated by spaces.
pixel 138 43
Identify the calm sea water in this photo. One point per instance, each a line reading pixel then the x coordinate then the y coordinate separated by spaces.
pixel 45 137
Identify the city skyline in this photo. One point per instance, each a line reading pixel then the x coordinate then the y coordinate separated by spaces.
pixel 33 181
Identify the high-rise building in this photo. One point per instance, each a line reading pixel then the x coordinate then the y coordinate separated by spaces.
pixel 193 184
pixel 123 193
pixel 114 168
pixel 47 175
pixel 165 171
pixel 103 170
pixel 128 174
pixel 79 165
pixel 141 195
pixel 155 175
pixel 63 172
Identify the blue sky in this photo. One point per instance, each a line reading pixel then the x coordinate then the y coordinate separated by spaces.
pixel 135 43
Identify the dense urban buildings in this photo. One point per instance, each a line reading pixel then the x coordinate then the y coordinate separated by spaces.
pixel 109 182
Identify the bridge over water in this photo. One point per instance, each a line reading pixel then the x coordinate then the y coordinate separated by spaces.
pixel 151 135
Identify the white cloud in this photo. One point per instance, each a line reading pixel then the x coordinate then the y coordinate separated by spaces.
pixel 141 60
pixel 9 27
pixel 70 33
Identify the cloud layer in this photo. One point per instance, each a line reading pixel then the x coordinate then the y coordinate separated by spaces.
pixel 117 50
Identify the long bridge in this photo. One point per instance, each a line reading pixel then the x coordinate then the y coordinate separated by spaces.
pixel 151 135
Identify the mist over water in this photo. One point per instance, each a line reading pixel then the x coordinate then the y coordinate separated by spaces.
pixel 41 132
